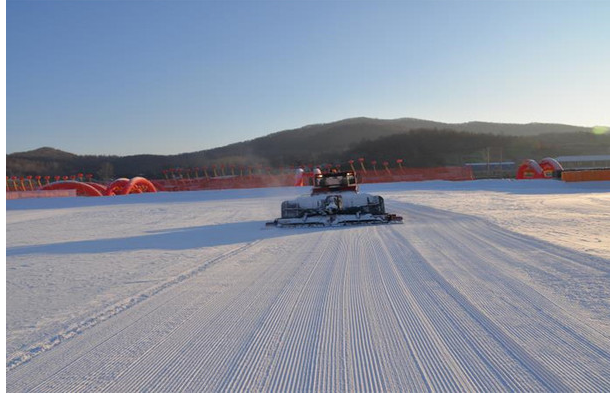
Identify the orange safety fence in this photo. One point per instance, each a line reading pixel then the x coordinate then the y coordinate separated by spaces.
pixel 23 187
pixel 123 186
pixel 225 182
pixel 286 180
pixel 390 175
pixel 82 188
pixel 586 175
pixel 41 194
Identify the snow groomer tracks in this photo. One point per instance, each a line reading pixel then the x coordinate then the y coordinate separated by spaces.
pixel 444 302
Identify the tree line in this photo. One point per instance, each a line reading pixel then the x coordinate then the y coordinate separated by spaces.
pixel 417 148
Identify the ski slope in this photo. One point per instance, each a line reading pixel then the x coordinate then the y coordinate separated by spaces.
pixel 487 286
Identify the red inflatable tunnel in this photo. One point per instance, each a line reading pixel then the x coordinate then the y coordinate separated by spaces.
pixel 529 170
pixel 82 189
pixel 117 186
pixel 98 187
pixel 121 186
pixel 551 168
pixel 138 185
pixel 124 186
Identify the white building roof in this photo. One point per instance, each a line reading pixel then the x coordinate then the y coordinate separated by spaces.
pixel 581 158
pixel 490 163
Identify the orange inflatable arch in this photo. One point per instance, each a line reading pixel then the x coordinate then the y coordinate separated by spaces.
pixel 529 169
pixel 117 186
pixel 82 189
pixel 551 167
pixel 98 186
pixel 138 185
pixel 122 186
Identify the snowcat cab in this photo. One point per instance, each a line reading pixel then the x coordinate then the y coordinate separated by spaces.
pixel 334 182
pixel 334 201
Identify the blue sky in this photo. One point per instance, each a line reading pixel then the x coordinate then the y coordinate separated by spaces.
pixel 165 77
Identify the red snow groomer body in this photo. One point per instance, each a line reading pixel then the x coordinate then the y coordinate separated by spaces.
pixel 334 201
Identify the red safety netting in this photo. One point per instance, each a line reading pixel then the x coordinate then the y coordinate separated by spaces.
pixel 226 182
pixel 415 174
pixel 122 186
pixel 298 178
pixel 287 180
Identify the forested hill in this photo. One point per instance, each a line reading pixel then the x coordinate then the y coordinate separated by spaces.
pixel 418 142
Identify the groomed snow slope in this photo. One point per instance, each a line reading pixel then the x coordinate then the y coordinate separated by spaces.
pixel 487 286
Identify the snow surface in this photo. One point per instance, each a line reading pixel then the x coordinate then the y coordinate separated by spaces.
pixel 487 286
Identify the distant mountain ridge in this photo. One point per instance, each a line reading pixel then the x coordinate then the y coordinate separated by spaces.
pixel 309 144
pixel 45 153
pixel 385 126
pixel 336 137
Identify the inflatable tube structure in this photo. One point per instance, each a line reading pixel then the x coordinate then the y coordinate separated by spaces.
pixel 122 186
pixel 138 185
pixel 551 168
pixel 117 186
pixel 98 186
pixel 82 189
pixel 530 169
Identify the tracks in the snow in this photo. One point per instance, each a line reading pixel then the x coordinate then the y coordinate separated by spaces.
pixel 78 328
pixel 444 302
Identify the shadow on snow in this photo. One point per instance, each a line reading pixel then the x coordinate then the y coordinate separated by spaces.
pixel 171 239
